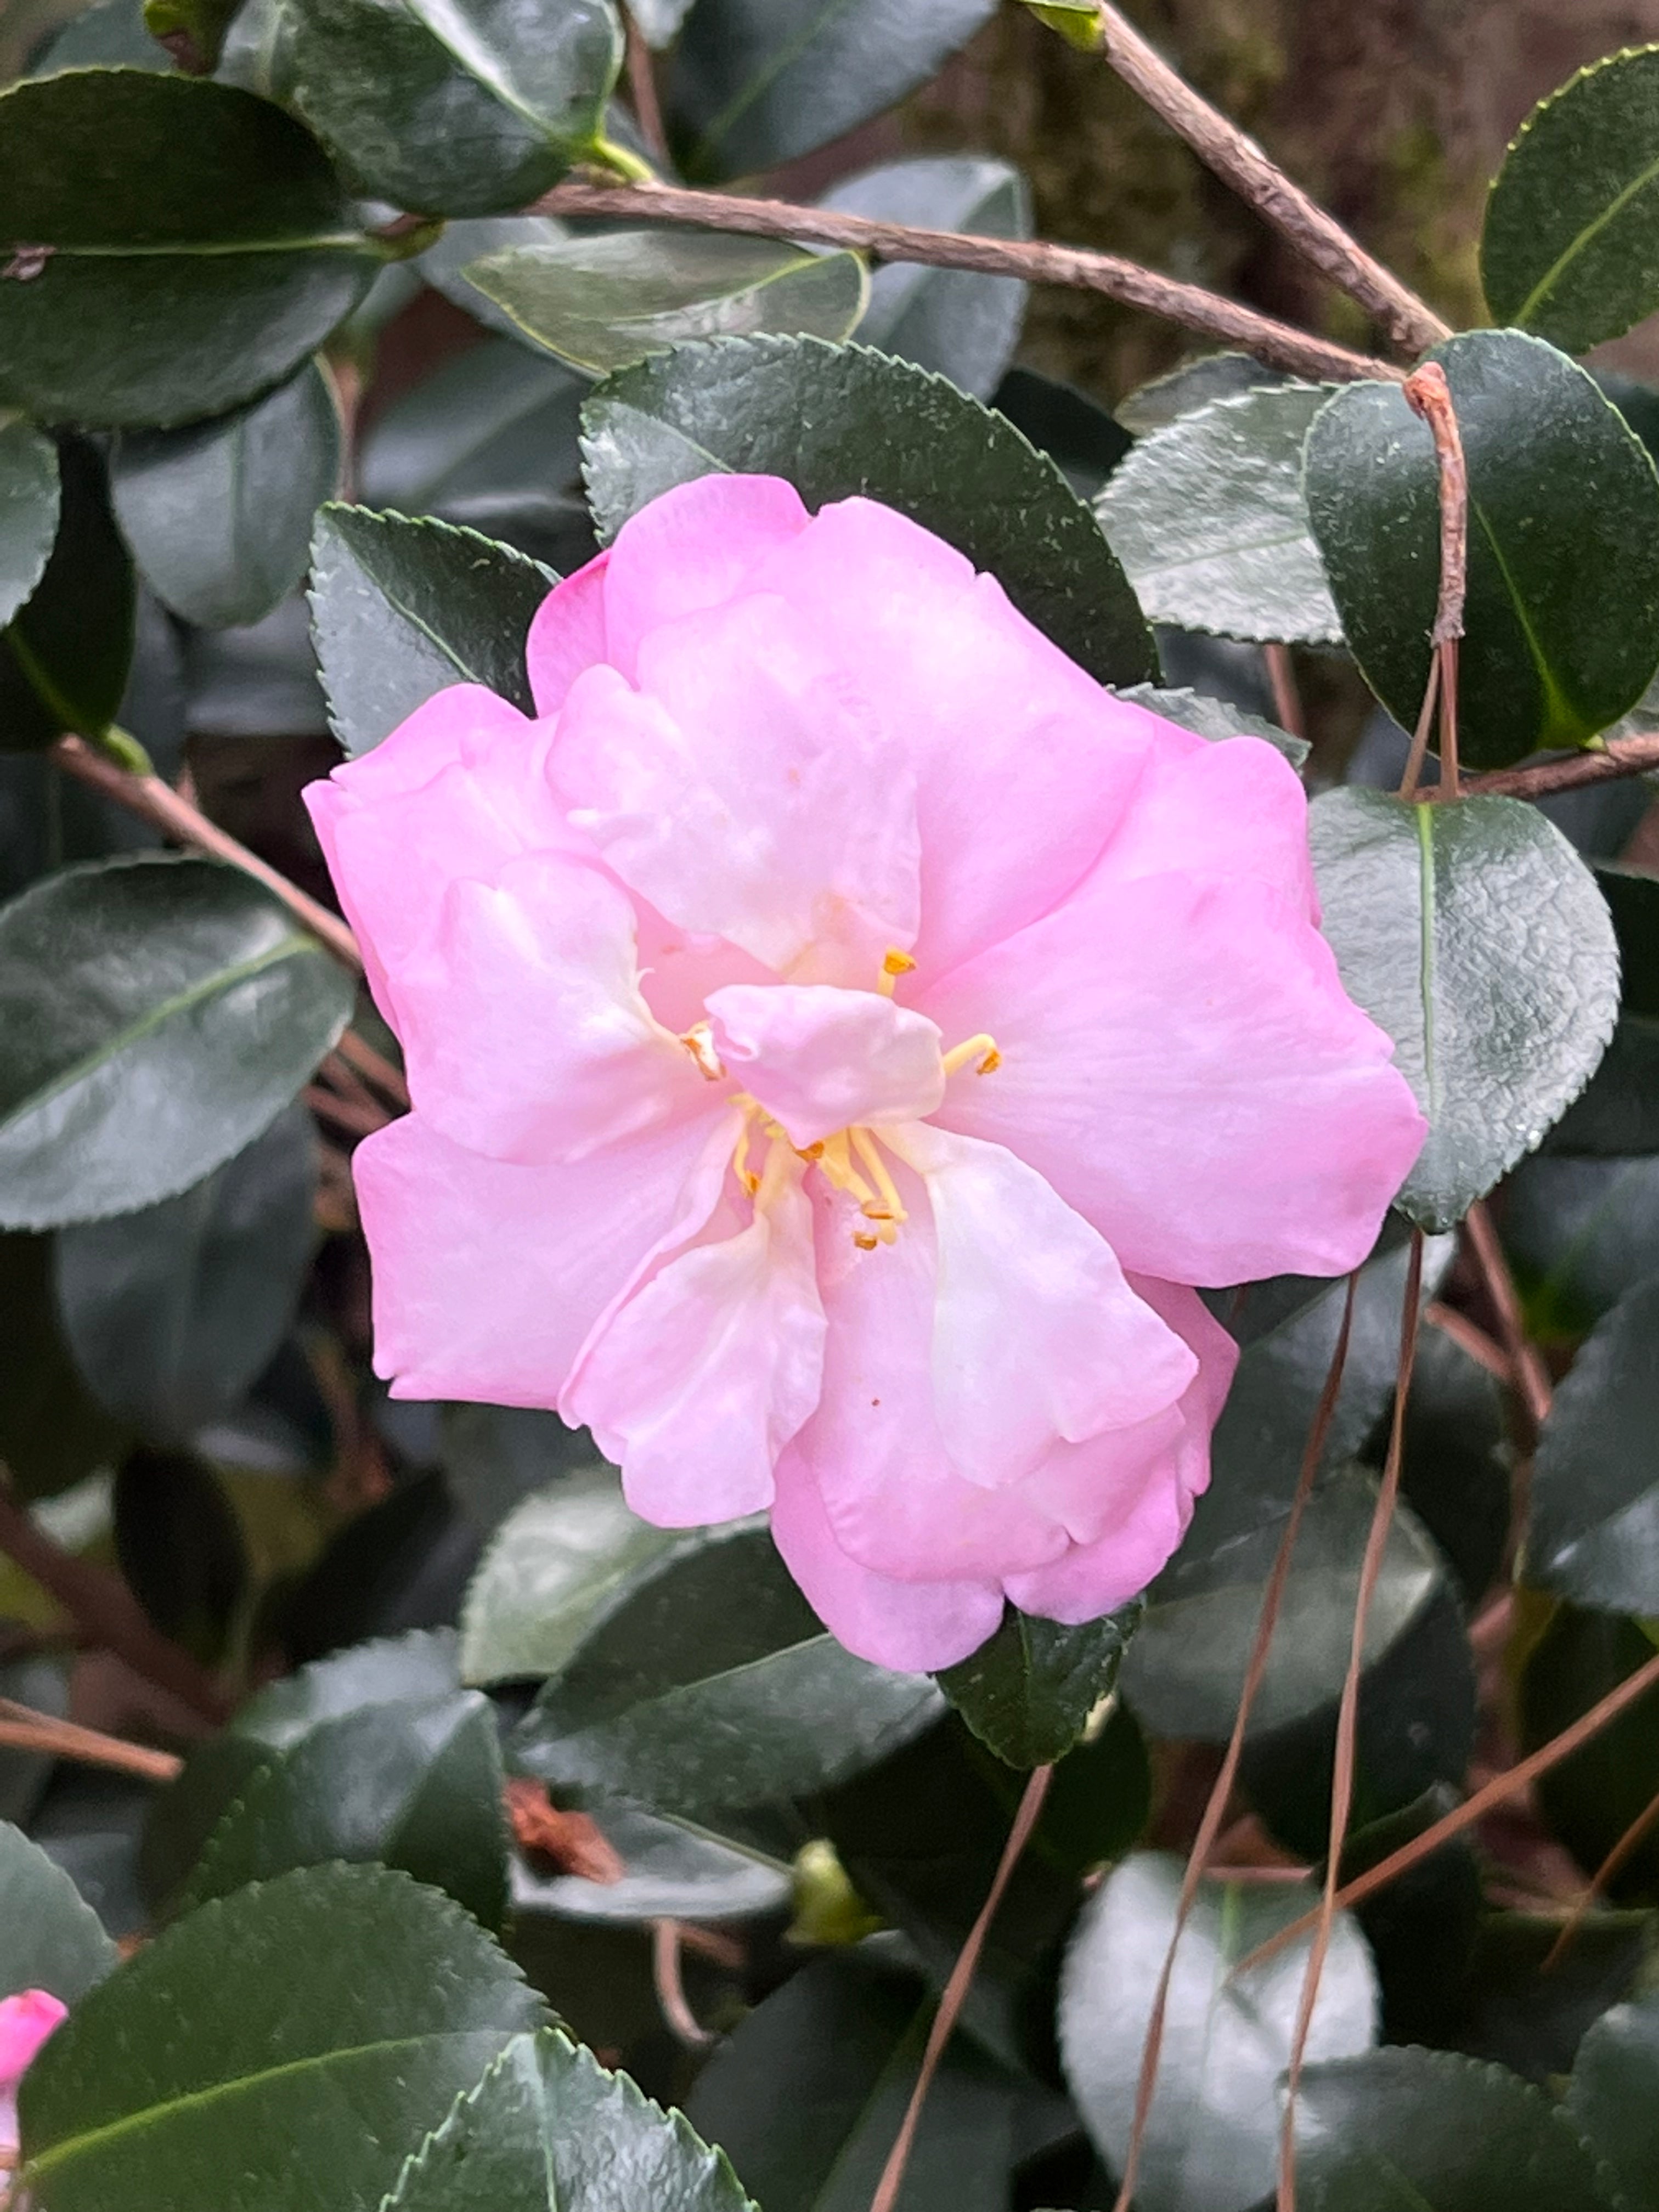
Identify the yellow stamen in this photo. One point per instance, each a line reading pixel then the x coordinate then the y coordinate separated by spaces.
pixel 981 1047
pixel 865 1146
pixel 740 1167
pixel 699 1042
pixel 896 965
pixel 842 1175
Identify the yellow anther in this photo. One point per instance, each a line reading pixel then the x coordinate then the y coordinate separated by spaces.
pixel 699 1042
pixel 896 965
pixel 865 1243
pixel 981 1048
pixel 740 1167
pixel 892 1205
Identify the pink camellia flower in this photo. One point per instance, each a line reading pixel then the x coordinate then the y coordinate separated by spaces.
pixel 25 2021
pixel 841 1033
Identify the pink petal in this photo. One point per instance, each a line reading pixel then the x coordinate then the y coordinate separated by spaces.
pixel 1236 808
pixel 704 1376
pixel 1181 1061
pixel 745 791
pixel 694 548
pixel 25 2021
pixel 489 1275
pixel 892 1496
pixel 524 1030
pixel 1037 1340
pixel 819 1058
pixel 910 1626
pixel 1023 764
pixel 567 635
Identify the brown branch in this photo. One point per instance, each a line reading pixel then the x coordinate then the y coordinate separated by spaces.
pixel 956 1990
pixel 1209 1828
pixel 1429 396
pixel 1497 1791
pixel 343 1113
pixel 374 1066
pixel 1279 344
pixel 642 93
pixel 1468 1337
pixel 670 1984
pixel 1348 1720
pixel 1639 1829
pixel 21 1728
pixel 1240 162
pixel 1604 764
pixel 106 1612
pixel 1528 1373
pixel 158 803
pixel 1287 696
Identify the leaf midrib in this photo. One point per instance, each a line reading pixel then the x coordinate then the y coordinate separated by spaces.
pixel 1581 243
pixel 351 241
pixel 222 980
pixel 765 77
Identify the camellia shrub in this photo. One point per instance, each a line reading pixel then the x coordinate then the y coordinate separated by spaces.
pixel 828 1194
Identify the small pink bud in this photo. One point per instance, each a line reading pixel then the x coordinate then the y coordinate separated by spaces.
pixel 25 2021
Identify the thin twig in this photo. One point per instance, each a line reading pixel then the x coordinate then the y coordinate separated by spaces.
pixel 1497 1791
pixel 642 92
pixel 1468 1337
pixel 1209 1828
pixel 1639 1829
pixel 671 1987
pixel 1604 764
pixel 1429 396
pixel 1420 744
pixel 956 1990
pixel 1279 344
pixel 342 1114
pixel 1526 1362
pixel 158 803
pixel 107 1610
pixel 1287 696
pixel 22 1728
pixel 1347 1719
pixel 375 1066
pixel 1240 162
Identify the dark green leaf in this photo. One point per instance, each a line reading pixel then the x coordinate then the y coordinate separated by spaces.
pixel 172 1312
pixel 1185 1669
pixel 1075 431
pixel 1028 1692
pixel 1497 1026
pixel 1154 406
pixel 193 31
pixel 1595 1530
pixel 454 106
pixel 1619 1111
pixel 1563 545
pixel 1215 718
pixel 39 1681
pixel 1579 1234
pixel 1611 2096
pixel 602 302
pixel 807 2097
pixel 49 1938
pixel 238 259
pixel 1591 1798
pixel 281 2048
pixel 556 1565
pixel 64 660
pixel 155 1015
pixel 111 33
pixel 28 510
pixel 954 321
pixel 549 2131
pixel 707 1684
pixel 1456 1475
pixel 400 609
pixel 797 408
pixel 460 243
pixel 1209 519
pixel 671 1871
pixel 1212 2135
pixel 52 1430
pixel 1571 245
pixel 1438 2133
pixel 218 515
pixel 757 82
pixel 413 1786
pixel 178 1545
pixel 495 1457
pixel 403 1565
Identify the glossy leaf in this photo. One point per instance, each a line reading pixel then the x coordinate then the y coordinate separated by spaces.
pixel 1611 2097
pixel 1154 406
pixel 180 1547
pixel 709 1685
pixel 1209 519
pixel 548 2130
pixel 757 82
pixel 64 660
pixel 1212 2137
pixel 110 34
pixel 28 510
pixel 1591 1799
pixel 1215 718
pixel 1497 1026
pixel 400 609
pixel 1580 1233
pixel 50 1938
pixel 296 2080
pixel 218 515
pixel 1029 1690
pixel 156 1015
pixel 238 257
pixel 671 1870
pixel 807 2096
pixel 556 1565
pixel 797 408
pixel 1570 244
pixel 1434 2130
pixel 1076 432
pixel 957 322
pixel 52 1431
pixel 1619 1111
pixel 602 302
pixel 494 1457
pixel 1563 545
pixel 454 106
pixel 1595 1530
pixel 173 1310
pixel 413 1786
